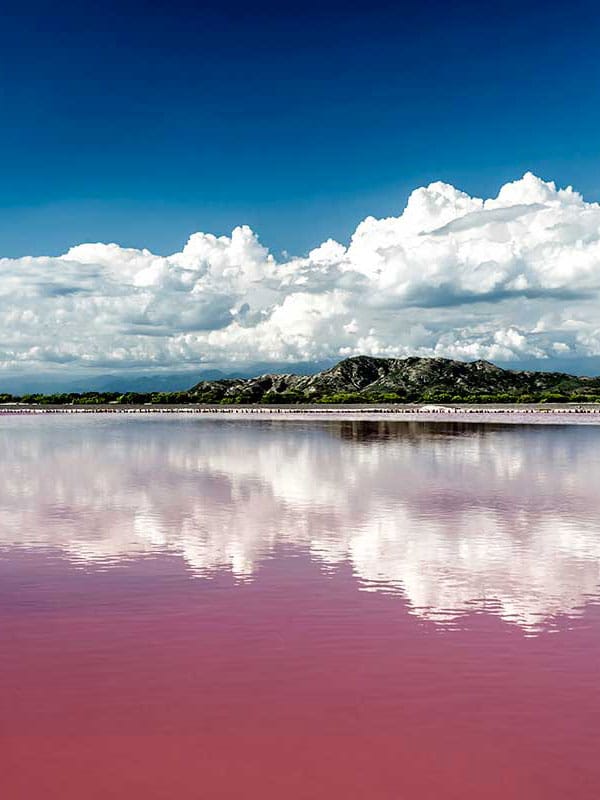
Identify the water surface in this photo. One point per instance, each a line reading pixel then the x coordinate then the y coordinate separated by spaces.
pixel 301 609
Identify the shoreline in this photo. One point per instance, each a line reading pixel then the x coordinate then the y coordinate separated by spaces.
pixel 530 414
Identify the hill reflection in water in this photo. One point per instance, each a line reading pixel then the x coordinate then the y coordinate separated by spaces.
pixel 455 517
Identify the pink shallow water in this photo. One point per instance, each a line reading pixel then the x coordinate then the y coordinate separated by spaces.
pixel 325 610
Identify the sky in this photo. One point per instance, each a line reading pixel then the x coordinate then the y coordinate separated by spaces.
pixel 281 127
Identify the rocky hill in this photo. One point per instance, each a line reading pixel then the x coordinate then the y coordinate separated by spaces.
pixel 368 379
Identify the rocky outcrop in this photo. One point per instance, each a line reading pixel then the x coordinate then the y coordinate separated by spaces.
pixel 366 377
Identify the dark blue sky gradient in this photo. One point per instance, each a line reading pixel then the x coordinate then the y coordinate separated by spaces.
pixel 142 122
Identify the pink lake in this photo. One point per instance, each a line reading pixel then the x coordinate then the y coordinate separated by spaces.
pixel 192 608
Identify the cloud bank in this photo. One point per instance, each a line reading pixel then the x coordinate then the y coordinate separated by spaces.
pixel 512 278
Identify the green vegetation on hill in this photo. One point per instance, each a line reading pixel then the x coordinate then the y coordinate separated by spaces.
pixel 362 379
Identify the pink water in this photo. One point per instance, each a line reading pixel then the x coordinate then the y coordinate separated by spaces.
pixel 198 609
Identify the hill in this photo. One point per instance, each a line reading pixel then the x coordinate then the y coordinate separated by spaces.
pixel 361 379
pixel 370 379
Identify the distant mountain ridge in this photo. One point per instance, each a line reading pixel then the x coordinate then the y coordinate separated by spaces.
pixel 396 379
pixel 360 379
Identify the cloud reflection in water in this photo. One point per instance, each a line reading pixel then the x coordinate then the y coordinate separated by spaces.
pixel 455 518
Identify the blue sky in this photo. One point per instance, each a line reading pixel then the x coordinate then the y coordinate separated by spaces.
pixel 142 122
pixel 287 134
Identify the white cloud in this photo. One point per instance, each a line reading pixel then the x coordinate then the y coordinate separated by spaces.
pixel 507 278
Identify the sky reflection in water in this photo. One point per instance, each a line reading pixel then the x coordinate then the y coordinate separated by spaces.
pixel 455 518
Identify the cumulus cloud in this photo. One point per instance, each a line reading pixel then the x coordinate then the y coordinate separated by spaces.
pixel 507 278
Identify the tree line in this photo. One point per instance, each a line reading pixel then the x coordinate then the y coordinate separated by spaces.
pixel 212 397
